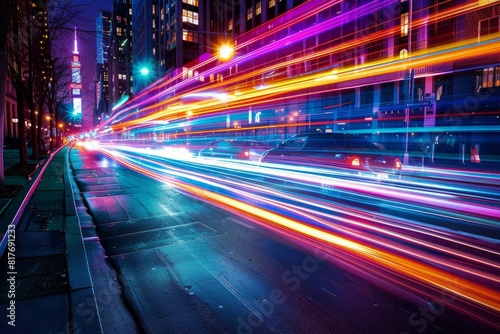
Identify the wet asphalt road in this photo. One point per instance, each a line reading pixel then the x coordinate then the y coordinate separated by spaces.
pixel 165 262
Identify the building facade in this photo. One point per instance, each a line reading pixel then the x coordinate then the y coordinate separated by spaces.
pixel 103 41
pixel 120 51
pixel 144 43
pixel 415 76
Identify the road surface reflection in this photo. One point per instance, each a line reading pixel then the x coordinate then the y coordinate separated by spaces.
pixel 431 237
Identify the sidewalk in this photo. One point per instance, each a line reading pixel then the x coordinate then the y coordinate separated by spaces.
pixel 45 281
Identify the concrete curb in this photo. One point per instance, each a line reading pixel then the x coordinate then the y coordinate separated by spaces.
pixel 84 312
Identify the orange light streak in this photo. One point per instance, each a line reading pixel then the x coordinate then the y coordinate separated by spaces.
pixel 405 267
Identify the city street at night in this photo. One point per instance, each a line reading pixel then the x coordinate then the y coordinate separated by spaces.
pixel 208 247
pixel 247 167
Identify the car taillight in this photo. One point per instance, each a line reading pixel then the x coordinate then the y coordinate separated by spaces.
pixel 398 165
pixel 355 162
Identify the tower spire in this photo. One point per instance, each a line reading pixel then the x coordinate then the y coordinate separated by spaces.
pixel 76 46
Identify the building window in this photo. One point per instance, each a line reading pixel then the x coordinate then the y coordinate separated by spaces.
pixel 258 8
pixel 488 77
pixel 403 54
pixel 366 96
pixel 404 24
pixel 191 2
pixel 387 93
pixel 189 16
pixel 230 25
pixel 272 3
pixel 375 50
pixel 190 36
pixel 249 14
pixel 488 27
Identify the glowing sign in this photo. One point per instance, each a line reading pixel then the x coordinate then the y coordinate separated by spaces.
pixel 77 105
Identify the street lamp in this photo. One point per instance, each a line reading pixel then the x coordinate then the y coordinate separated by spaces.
pixel 144 71
pixel 226 51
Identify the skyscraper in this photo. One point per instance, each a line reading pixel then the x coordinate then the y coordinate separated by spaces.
pixel 120 48
pixel 103 30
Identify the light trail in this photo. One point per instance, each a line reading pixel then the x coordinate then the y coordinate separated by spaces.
pixel 285 89
pixel 416 257
pixel 246 95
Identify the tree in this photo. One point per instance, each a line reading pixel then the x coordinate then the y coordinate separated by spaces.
pixel 5 6
pixel 26 68
pixel 18 53
pixel 58 92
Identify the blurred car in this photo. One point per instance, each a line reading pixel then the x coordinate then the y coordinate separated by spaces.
pixel 234 149
pixel 346 152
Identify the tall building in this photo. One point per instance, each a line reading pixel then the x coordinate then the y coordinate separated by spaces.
pixel 418 76
pixel 43 71
pixel 120 52
pixel 103 38
pixel 181 33
pixel 144 44
pixel 172 33
pixel 76 85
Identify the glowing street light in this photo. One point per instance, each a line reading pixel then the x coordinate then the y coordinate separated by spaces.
pixel 226 51
pixel 144 71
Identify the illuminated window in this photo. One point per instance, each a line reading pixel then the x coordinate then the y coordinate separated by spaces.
pixel 258 8
pixel 403 54
pixel 272 3
pixel 191 2
pixel 489 77
pixel 488 27
pixel 190 36
pixel 497 76
pixel 189 16
pixel 249 14
pixel 404 24
pixel 230 25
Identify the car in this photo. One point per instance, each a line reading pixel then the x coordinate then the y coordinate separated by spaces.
pixel 234 149
pixel 341 151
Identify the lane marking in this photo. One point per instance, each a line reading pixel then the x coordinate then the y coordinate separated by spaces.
pixel 239 222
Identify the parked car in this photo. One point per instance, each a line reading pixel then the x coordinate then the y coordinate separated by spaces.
pixel 346 152
pixel 234 149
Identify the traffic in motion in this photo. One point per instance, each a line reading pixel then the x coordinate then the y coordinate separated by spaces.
pixel 428 238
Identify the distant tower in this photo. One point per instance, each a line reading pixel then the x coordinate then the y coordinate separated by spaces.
pixel 76 86
pixel 103 30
